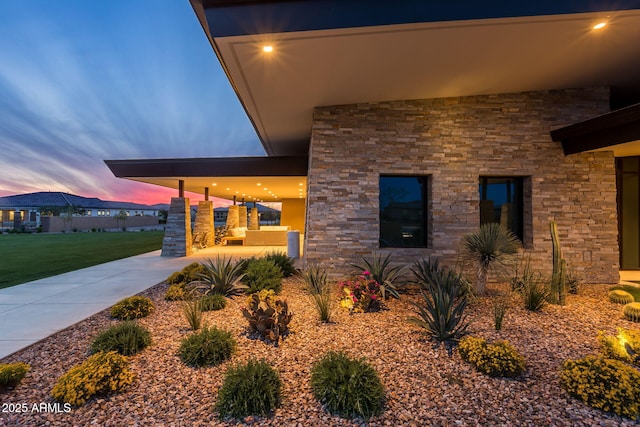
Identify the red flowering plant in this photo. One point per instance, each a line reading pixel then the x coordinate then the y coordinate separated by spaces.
pixel 361 295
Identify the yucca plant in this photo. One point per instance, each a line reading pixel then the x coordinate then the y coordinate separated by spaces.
pixel 489 248
pixel 317 284
pixel 383 272
pixel 192 310
pixel 444 301
pixel 222 276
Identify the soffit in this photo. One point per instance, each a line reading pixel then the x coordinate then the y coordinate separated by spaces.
pixel 308 69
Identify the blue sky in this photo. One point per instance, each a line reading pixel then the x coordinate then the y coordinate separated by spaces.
pixel 85 80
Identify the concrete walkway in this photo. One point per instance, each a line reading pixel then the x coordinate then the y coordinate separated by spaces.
pixel 34 310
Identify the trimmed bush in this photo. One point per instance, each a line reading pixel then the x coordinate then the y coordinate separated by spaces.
pixel 126 338
pixel 100 374
pixel 251 389
pixel 618 296
pixel 605 384
pixel 213 302
pixel 177 292
pixel 631 311
pixel 209 347
pixel 347 387
pixel 499 359
pixel 283 261
pixel 262 273
pixel 624 346
pixel 131 308
pixel 12 373
pixel 188 274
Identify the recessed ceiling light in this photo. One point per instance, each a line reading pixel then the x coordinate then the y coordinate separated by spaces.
pixel 259 184
pixel 214 184
pixel 227 189
pixel 267 48
pixel 599 25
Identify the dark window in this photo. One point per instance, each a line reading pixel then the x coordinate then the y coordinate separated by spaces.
pixel 501 201
pixel 403 211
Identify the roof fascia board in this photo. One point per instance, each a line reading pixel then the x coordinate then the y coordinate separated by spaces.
pixel 219 167
pixel 240 18
pixel 616 127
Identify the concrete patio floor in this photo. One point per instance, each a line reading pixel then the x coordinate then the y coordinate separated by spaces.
pixel 34 310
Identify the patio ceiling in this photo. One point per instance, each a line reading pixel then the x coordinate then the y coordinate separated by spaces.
pixel 313 64
pixel 261 179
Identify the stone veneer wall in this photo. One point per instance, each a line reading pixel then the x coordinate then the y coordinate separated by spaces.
pixel 454 141
pixel 177 235
pixel 204 222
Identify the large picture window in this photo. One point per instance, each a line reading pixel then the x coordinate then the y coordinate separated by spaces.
pixel 403 211
pixel 502 201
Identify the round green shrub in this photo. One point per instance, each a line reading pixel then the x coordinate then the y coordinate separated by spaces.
pixel 126 338
pixel 99 374
pixel 209 347
pixel 131 308
pixel 213 302
pixel 12 373
pixel 283 261
pixel 251 389
pixel 177 292
pixel 631 311
pixel 262 273
pixel 605 384
pixel 619 296
pixel 499 359
pixel 188 274
pixel 347 387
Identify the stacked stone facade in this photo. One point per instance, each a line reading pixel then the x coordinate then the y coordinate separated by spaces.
pixel 177 235
pixel 204 222
pixel 454 141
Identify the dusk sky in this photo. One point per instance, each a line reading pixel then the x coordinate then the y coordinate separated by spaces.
pixel 82 81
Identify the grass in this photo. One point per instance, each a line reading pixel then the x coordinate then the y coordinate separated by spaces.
pixel 633 290
pixel 27 257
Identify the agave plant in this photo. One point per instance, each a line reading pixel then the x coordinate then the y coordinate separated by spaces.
pixel 381 271
pixel 223 277
pixel 489 248
pixel 444 300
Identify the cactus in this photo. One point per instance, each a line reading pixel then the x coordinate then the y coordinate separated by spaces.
pixel 267 315
pixel 558 289
pixel 619 296
pixel 632 311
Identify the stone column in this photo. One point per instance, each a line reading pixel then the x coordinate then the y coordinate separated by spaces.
pixel 204 222
pixel 254 222
pixel 242 216
pixel 232 217
pixel 177 236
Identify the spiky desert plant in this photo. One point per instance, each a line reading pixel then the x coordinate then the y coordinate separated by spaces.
pixel 558 291
pixel 488 249
pixel 317 284
pixel 222 276
pixel 192 310
pixel 632 311
pixel 442 310
pixel 381 270
pixel 618 296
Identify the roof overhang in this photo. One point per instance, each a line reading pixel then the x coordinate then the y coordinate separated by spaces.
pixel 617 131
pixel 333 52
pixel 263 179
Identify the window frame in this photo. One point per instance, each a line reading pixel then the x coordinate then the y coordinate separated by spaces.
pixel 426 210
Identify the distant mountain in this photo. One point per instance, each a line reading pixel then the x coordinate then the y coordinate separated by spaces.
pixel 60 199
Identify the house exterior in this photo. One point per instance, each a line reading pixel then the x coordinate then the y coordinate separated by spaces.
pixel 29 209
pixel 411 123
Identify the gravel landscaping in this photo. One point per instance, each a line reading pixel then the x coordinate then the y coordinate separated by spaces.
pixel 425 384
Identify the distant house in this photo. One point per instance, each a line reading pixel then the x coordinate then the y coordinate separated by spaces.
pixel 29 208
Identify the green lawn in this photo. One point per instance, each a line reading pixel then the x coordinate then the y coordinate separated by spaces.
pixel 25 257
